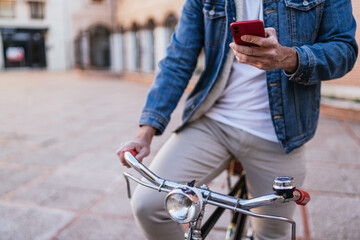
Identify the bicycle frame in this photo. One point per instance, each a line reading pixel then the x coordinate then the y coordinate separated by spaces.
pixel 213 198
pixel 238 189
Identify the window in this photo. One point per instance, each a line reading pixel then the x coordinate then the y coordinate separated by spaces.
pixel 137 47
pixel 7 8
pixel 37 9
pixel 150 40
pixel 99 40
pixel 170 25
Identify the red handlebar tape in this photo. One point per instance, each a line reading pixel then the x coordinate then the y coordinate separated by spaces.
pixel 304 198
pixel 133 152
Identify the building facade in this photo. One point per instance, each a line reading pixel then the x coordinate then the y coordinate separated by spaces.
pixel 55 34
pixel 128 37
pixel 93 22
pixel 143 32
pixel 28 34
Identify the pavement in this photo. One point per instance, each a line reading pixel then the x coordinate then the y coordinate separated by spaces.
pixel 60 178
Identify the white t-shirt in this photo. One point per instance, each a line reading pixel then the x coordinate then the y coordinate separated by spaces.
pixel 244 104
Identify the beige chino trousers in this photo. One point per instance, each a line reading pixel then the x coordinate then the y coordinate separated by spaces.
pixel 201 152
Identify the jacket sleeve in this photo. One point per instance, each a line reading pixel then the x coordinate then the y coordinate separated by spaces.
pixel 335 51
pixel 176 69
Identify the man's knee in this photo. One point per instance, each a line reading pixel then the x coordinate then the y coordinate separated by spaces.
pixel 147 204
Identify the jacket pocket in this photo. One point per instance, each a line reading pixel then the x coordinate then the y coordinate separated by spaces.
pixel 304 18
pixel 214 21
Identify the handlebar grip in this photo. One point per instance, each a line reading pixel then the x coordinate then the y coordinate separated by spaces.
pixel 304 198
pixel 133 152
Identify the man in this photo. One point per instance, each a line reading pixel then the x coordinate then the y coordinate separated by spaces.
pixel 259 109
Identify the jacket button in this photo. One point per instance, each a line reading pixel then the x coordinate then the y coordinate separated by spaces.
pixel 192 106
pixel 305 3
pixel 270 11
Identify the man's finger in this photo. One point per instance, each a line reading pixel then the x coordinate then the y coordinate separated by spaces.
pixel 269 40
pixel 250 51
pixel 253 39
pixel 251 60
pixel 242 58
pixel 120 154
pixel 142 153
pixel 270 32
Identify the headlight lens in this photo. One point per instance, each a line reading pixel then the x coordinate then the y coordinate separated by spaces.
pixel 184 204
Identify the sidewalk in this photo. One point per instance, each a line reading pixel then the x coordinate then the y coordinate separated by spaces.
pixel 60 177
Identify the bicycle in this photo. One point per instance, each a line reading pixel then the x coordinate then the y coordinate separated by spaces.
pixel 186 203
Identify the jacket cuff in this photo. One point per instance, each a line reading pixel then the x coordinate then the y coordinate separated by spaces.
pixel 305 66
pixel 155 120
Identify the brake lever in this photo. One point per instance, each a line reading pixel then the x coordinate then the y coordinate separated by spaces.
pixel 127 185
pixel 141 168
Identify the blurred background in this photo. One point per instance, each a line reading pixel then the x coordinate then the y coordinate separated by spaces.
pixel 73 77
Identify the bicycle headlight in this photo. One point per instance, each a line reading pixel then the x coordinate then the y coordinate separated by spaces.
pixel 184 204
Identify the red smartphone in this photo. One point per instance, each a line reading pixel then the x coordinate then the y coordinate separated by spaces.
pixel 254 27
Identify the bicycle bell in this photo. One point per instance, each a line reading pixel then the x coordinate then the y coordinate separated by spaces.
pixel 284 186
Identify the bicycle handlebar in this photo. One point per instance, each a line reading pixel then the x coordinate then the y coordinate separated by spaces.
pixel 300 197
pixel 214 198
pixel 304 198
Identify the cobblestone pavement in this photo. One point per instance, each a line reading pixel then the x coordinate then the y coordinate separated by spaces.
pixel 60 178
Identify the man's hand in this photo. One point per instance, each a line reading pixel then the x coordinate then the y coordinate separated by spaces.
pixel 268 55
pixel 141 144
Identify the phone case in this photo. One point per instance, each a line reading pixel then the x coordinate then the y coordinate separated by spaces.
pixel 254 27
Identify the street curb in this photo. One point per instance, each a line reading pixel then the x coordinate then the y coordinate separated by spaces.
pixel 343 109
pixel 330 106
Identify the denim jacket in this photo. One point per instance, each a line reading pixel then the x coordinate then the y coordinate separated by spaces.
pixel 321 31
